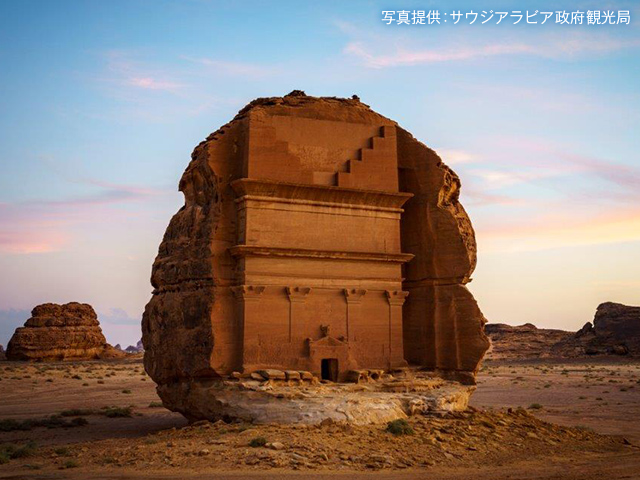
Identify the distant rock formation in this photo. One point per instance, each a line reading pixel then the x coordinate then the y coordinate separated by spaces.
pixel 60 332
pixel 615 331
pixel 524 341
pixel 138 348
pixel 3 355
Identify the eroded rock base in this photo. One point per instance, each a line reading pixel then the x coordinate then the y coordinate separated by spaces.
pixel 287 402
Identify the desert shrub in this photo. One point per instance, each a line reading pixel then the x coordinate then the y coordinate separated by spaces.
pixel 126 390
pixel 258 442
pixel 116 412
pixel 54 421
pixel 77 377
pixel 70 464
pixel 584 428
pixel 535 406
pixel 62 451
pixel 9 451
pixel 10 425
pixel 156 405
pixel 399 427
pixel 76 412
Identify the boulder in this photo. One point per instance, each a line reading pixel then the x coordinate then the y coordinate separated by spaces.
pixel 266 267
pixel 615 331
pixel 60 332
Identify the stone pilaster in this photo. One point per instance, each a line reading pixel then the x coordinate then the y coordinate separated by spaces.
pixel 297 298
pixel 396 299
pixel 248 314
pixel 353 297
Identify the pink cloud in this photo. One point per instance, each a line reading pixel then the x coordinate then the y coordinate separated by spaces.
pixel 557 230
pixel 124 70
pixel 402 57
pixel 555 47
pixel 149 83
pixel 31 240
pixel 530 161
pixel 233 68
pixel 478 197
pixel 42 226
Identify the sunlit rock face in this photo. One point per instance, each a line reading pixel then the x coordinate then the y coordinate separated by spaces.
pixel 615 331
pixel 60 332
pixel 317 236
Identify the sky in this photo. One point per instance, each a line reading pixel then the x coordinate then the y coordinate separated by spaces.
pixel 101 104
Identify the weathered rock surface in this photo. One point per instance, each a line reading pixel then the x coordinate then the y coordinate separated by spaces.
pixel 137 348
pixel 615 331
pixel 292 249
pixel 264 402
pixel 60 332
pixel 524 341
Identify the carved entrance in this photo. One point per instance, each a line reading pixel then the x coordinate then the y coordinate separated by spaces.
pixel 329 369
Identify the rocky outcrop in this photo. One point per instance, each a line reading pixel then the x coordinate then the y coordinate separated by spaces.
pixel 615 331
pixel 278 399
pixel 443 326
pixel 522 342
pixel 315 233
pixel 60 332
pixel 137 348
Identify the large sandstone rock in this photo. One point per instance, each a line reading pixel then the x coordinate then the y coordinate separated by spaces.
pixel 260 401
pixel 615 331
pixel 522 342
pixel 316 235
pixel 60 332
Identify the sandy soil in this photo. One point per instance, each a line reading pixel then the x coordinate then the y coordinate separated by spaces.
pixel 488 443
pixel 604 396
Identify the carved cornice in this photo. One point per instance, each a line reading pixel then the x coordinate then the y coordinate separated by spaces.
pixel 249 250
pixel 354 295
pixel 248 292
pixel 322 194
pixel 396 297
pixel 297 294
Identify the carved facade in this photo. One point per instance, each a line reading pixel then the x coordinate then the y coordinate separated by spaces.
pixel 316 235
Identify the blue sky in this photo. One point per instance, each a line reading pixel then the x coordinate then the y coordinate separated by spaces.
pixel 101 104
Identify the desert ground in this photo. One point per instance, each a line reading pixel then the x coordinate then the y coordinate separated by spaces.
pixel 103 420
